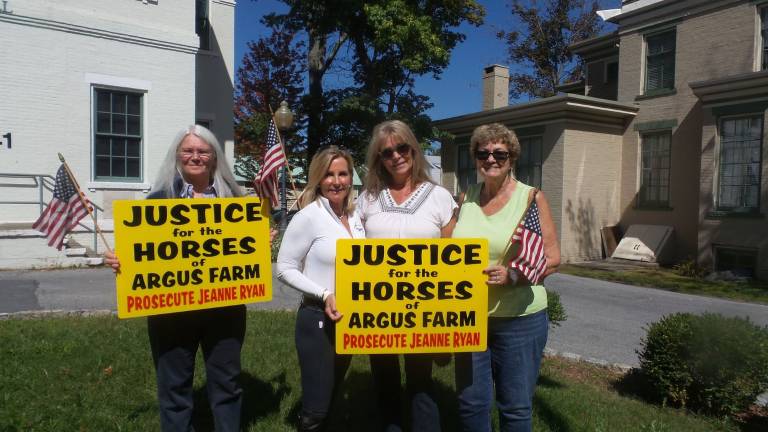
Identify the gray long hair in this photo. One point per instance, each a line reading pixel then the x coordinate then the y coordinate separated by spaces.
pixel 222 176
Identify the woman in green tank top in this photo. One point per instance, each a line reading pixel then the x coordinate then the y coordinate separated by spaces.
pixel 517 325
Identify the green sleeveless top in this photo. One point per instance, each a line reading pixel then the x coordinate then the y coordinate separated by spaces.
pixel 503 300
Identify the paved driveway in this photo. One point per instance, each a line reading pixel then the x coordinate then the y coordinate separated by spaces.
pixel 606 320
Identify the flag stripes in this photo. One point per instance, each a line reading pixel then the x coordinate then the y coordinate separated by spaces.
pixel 265 182
pixel 63 212
pixel 530 259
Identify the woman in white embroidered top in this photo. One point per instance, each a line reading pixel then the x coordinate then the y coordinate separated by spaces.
pixel 400 201
pixel 307 262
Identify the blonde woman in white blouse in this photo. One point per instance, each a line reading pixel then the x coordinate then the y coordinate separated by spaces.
pixel 307 262
pixel 400 201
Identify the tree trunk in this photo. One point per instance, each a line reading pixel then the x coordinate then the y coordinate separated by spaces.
pixel 316 60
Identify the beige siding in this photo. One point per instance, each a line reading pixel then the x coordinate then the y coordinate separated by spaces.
pixel 701 54
pixel 737 232
pixel 590 189
pixel 552 171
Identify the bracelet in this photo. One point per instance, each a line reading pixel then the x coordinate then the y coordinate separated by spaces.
pixel 513 277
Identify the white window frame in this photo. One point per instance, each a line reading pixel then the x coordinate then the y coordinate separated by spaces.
pixel 126 84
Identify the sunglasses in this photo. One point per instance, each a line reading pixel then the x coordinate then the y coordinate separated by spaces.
pixel 403 149
pixel 498 155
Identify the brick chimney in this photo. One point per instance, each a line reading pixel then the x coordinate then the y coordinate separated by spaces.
pixel 495 87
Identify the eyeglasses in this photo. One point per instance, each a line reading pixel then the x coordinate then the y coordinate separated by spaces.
pixel 203 155
pixel 498 155
pixel 403 149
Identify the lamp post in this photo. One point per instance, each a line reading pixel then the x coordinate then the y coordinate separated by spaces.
pixel 283 121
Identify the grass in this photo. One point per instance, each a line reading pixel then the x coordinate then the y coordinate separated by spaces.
pixel 667 279
pixel 95 374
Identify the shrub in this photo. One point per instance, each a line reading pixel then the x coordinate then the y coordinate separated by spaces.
pixel 707 363
pixel 555 309
pixel 689 268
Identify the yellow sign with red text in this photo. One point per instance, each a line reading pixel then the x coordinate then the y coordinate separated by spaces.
pixel 411 296
pixel 183 254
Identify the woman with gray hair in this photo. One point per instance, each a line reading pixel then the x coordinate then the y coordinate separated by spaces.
pixel 517 317
pixel 195 167
pixel 401 201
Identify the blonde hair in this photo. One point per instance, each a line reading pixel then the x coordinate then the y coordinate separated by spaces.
pixel 495 132
pixel 317 170
pixel 378 177
pixel 221 173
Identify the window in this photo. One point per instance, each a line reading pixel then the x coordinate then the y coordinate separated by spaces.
pixel 654 170
pixel 660 62
pixel 741 262
pixel 466 172
pixel 741 142
pixel 117 135
pixel 528 165
pixel 764 35
pixel 611 72
pixel 203 24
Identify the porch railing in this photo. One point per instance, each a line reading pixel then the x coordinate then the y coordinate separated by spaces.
pixel 43 186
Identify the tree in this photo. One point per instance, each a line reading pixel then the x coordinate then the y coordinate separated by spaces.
pixel 321 21
pixel 272 71
pixel 548 28
pixel 384 45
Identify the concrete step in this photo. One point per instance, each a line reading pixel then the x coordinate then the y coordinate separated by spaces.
pixel 21 247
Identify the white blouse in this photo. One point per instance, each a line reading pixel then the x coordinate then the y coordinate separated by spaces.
pixel 426 211
pixel 307 258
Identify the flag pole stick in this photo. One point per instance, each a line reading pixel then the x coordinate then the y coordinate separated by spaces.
pixel 82 200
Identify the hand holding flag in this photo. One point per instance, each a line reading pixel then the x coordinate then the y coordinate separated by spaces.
pixel 529 258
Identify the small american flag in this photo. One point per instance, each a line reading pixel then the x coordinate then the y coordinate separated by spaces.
pixel 265 182
pixel 530 259
pixel 63 212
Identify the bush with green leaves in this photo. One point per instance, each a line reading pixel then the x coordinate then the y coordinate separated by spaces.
pixel 555 309
pixel 707 363
pixel 690 268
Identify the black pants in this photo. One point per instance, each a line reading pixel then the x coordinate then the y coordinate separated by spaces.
pixel 425 415
pixel 174 339
pixel 322 370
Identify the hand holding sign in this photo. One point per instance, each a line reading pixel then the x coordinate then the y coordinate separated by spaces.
pixel 179 254
pixel 411 296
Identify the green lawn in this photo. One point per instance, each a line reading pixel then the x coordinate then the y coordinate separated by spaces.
pixel 666 279
pixel 95 374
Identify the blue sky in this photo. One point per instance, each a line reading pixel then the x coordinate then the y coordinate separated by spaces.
pixel 459 89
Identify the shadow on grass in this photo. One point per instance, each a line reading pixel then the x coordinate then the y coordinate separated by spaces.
pixel 545 381
pixel 548 415
pixel 355 407
pixel 260 398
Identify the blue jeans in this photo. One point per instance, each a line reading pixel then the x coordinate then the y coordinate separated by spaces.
pixel 511 364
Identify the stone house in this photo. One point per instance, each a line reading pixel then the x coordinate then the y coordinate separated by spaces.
pixel 667 128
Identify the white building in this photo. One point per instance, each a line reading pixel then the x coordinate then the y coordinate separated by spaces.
pixel 107 83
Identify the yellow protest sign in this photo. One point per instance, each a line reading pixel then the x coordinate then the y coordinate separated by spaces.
pixel 181 254
pixel 411 295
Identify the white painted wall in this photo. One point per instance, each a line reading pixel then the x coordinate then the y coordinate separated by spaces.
pixel 53 53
